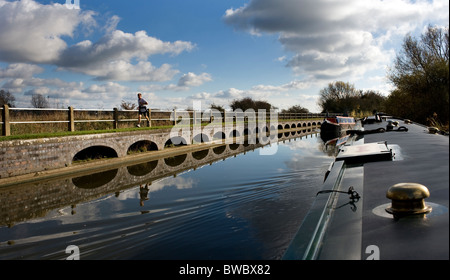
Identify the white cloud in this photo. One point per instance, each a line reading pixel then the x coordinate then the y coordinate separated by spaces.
pixel 109 87
pixel 45 91
pixel 193 80
pixel 281 96
pixel 281 58
pixel 14 85
pixel 19 84
pixel 119 45
pixel 293 85
pixel 17 76
pixel 230 94
pixel 122 70
pixel 185 82
pixel 70 93
pixel 201 96
pixel 335 39
pixel 20 70
pixel 111 24
pixel 32 32
pixel 110 57
pixel 76 94
pixel 35 34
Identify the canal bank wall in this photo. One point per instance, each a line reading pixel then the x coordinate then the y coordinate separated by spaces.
pixel 22 157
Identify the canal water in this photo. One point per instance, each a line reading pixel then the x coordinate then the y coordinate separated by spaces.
pixel 241 205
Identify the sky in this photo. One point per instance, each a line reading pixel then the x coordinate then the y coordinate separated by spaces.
pixel 94 54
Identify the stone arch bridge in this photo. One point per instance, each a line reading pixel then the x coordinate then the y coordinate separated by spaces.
pixel 20 157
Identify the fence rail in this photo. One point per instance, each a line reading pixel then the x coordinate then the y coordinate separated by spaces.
pixel 114 118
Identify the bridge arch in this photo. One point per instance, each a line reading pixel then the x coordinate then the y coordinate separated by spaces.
pixel 142 146
pixel 142 169
pixel 175 141
pixel 234 133
pixel 200 138
pixel 199 155
pixel 219 150
pixel 175 160
pixel 234 146
pixel 95 180
pixel 219 135
pixel 94 152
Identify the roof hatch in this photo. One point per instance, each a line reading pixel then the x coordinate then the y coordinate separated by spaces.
pixel 365 153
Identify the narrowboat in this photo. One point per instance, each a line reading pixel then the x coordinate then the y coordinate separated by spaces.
pixel 385 197
pixel 336 126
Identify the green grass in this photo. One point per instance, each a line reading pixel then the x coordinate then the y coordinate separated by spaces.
pixel 87 132
pixel 73 133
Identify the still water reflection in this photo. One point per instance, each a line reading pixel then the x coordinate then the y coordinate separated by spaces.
pixel 229 202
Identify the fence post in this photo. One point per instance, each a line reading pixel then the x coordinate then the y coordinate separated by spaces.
pixel 174 116
pixel 149 117
pixel 71 119
pixel 6 128
pixel 116 118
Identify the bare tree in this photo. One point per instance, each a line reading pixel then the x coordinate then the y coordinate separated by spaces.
pixel 7 98
pixel 421 76
pixel 128 105
pixel 248 103
pixel 338 97
pixel 217 107
pixel 39 101
pixel 295 109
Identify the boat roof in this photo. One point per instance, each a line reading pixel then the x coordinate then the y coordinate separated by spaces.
pixel 341 227
pixel 345 117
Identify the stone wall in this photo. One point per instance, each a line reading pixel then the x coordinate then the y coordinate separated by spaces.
pixel 19 157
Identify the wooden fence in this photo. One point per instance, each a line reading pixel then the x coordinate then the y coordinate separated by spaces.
pixel 33 120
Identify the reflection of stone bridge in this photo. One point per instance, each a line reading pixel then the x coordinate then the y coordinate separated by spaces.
pixel 26 202
pixel 19 157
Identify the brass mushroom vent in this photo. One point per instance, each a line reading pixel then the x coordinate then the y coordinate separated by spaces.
pixel 408 199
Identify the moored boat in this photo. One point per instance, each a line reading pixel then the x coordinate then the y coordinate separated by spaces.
pixel 336 126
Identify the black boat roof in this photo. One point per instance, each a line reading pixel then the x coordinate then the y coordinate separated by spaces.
pixel 343 226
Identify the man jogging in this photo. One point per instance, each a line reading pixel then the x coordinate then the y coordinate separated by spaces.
pixel 142 109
